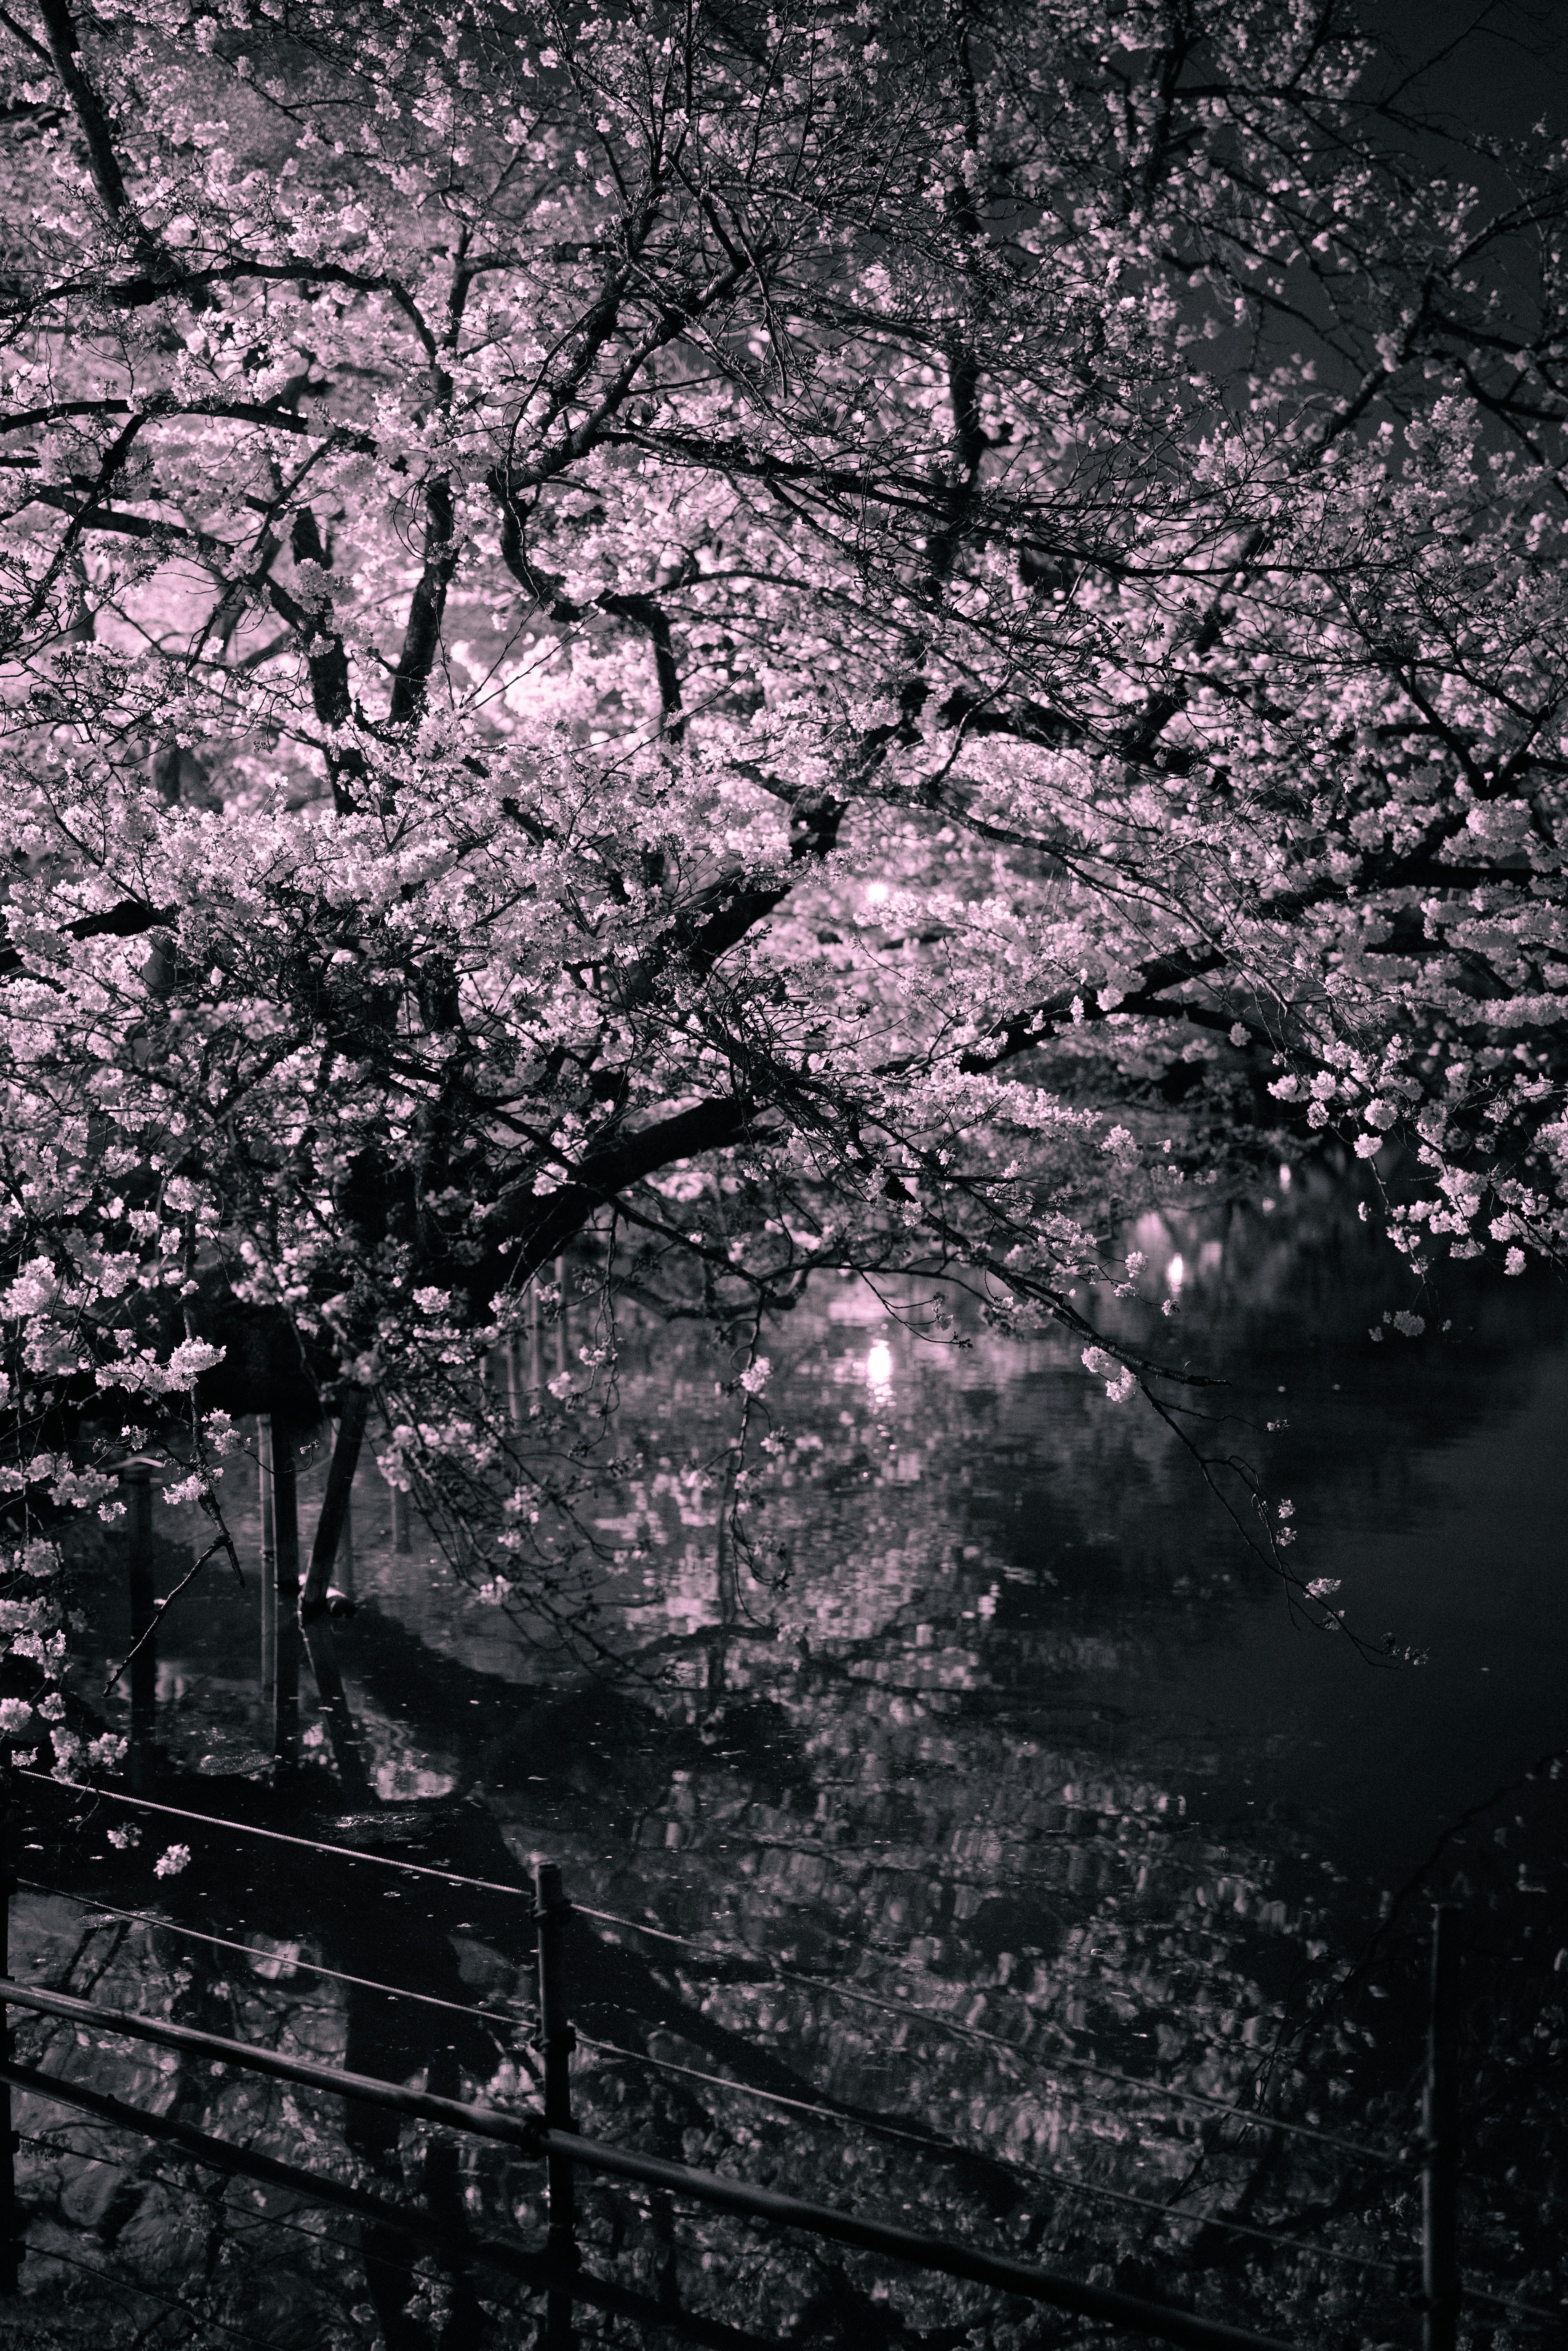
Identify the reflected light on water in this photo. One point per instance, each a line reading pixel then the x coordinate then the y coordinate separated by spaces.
pixel 879 1372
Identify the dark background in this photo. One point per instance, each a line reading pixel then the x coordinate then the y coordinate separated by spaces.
pixel 1499 69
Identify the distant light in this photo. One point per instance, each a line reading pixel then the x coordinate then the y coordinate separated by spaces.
pixel 879 1371
pixel 877 893
pixel 1176 1272
pixel 1285 1178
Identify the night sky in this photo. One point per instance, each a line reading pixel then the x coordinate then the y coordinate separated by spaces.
pixel 1505 67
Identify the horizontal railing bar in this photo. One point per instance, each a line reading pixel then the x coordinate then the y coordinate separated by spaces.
pixel 939 2253
pixel 452 2114
pixel 749 1955
pixel 1038 2061
pixel 533 2270
pixel 935 2253
pixel 279 1836
pixel 222 2155
pixel 586 2289
pixel 255 1951
pixel 1068 2182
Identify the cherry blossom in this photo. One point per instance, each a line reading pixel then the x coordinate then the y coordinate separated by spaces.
pixel 844 646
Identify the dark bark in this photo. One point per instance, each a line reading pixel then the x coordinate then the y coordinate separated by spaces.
pixel 126 920
pixel 535 1230
pixel 327 665
pixel 81 518
pixel 1027 1030
pixel 163 271
pixel 93 124
pixel 648 614
pixel 355 1412
pixel 422 634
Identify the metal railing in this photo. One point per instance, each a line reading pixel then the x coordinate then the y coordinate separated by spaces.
pixel 546 2134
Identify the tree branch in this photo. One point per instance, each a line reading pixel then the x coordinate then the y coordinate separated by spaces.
pixel 128 920
pixel 20 33
pixel 162 1607
pixel 65 57
pixel 534 1229
pixel 239 411
pixel 112 460
pixel 163 271
pixel 648 614
pixel 422 634
pixel 1027 1030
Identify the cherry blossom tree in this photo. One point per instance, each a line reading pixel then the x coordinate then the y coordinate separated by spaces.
pixel 815 636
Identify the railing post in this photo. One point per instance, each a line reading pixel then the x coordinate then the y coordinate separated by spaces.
pixel 557 2040
pixel 268 1570
pixel 285 1529
pixel 136 1481
pixel 1441 2163
pixel 10 2219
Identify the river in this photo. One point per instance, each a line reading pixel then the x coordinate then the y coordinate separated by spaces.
pixel 1003 1721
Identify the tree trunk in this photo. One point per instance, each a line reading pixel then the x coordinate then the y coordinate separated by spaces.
pixel 335 1503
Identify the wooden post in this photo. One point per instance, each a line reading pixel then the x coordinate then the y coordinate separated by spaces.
pixel 268 1570
pixel 403 1542
pixel 136 1481
pixel 335 1503
pixel 561 1333
pixel 1440 2164
pixel 10 2218
pixel 342 1600
pixel 557 2040
pixel 285 1529
pixel 341 1597
pixel 514 1386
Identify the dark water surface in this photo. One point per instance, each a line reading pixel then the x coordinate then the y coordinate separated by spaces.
pixel 1013 1730
pixel 973 1536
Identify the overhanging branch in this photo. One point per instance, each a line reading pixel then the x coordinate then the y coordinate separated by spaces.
pixel 1027 1031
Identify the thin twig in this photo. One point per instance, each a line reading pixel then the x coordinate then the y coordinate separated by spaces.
pixel 161 1607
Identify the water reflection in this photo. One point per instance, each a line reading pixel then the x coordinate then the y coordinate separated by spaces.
pixel 990 1713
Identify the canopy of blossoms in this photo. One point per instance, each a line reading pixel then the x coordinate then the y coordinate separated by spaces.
pixel 836 632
